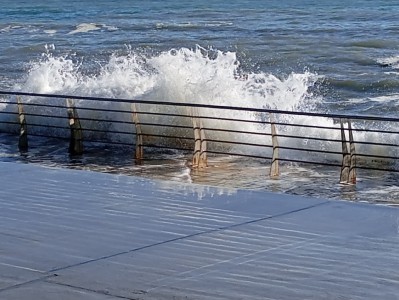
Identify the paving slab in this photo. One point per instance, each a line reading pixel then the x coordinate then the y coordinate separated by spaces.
pixel 73 234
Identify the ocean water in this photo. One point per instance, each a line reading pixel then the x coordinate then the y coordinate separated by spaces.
pixel 306 55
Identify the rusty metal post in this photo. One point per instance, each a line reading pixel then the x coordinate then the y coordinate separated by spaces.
pixel 23 131
pixel 348 169
pixel 274 169
pixel 197 142
pixel 203 160
pixel 352 150
pixel 346 157
pixel 139 154
pixel 200 159
pixel 76 138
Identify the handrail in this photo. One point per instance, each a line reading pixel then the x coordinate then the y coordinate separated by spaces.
pixel 198 129
pixel 199 105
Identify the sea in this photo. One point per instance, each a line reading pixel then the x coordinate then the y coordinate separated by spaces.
pixel 333 57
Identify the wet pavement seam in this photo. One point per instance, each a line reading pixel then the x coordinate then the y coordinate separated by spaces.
pixel 187 237
pixel 15 286
pixel 100 292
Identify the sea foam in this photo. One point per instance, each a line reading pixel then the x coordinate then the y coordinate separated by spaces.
pixel 199 75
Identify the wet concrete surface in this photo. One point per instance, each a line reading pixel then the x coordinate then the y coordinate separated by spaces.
pixel 73 234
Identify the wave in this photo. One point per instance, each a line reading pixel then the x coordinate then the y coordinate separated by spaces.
pixel 199 75
pixel 392 62
pixel 87 27
pixel 374 43
pixel 193 25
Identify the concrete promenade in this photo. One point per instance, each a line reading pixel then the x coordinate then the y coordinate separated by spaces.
pixel 69 234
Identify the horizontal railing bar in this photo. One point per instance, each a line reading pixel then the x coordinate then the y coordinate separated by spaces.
pixel 335 152
pixel 167 147
pixel 166 125
pixel 8 112
pixel 235 131
pixel 307 138
pixel 376 156
pixel 108 142
pixel 200 117
pixel 203 117
pixel 334 140
pixel 10 122
pixel 198 105
pixel 48 136
pixel 375 144
pixel 45 116
pixel 49 126
pixel 189 127
pixel 40 105
pixel 166 136
pixel 237 154
pixel 377 169
pixel 373 130
pixel 217 152
pixel 309 150
pixel 237 143
pixel 335 128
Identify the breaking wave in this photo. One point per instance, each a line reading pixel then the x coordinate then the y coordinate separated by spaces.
pixel 199 75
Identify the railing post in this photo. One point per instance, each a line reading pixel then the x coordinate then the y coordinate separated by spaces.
pixel 76 138
pixel 23 132
pixel 139 154
pixel 200 159
pixel 352 169
pixel 348 169
pixel 203 161
pixel 274 169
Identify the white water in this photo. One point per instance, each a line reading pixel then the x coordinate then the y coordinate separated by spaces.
pixel 205 76
pixel 179 75
pixel 391 61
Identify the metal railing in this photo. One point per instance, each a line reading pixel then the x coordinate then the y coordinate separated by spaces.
pixel 350 143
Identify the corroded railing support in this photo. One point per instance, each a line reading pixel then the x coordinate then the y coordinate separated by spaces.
pixel 348 169
pixel 76 138
pixel 23 131
pixel 352 150
pixel 139 154
pixel 203 162
pixel 274 169
pixel 200 159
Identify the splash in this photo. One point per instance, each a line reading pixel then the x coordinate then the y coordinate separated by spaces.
pixel 85 27
pixel 199 75
pixel 180 75
pixel 205 76
pixel 392 62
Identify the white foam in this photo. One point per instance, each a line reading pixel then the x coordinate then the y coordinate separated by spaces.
pixel 110 28
pixel 8 28
pixel 392 61
pixel 50 32
pixel 195 76
pixel 85 27
pixel 161 25
pixel 385 98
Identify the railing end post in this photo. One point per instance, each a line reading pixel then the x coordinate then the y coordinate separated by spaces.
pixel 76 138
pixel 274 168
pixel 23 132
